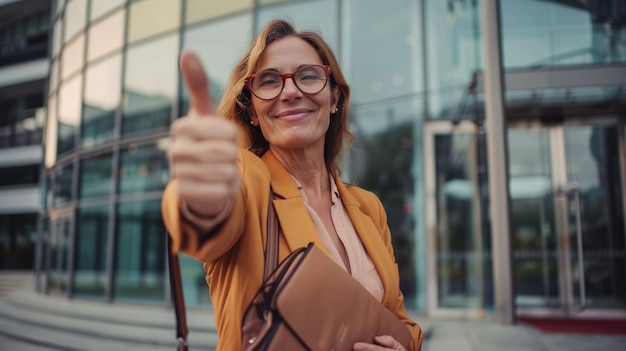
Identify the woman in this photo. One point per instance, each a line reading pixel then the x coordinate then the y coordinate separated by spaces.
pixel 282 122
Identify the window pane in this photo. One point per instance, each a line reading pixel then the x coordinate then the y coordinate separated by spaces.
pixel 102 98
pixel 140 252
pixel 200 10
pixel 320 16
pixel 150 85
pixel 453 54
pixel 152 17
pixel 18 235
pixel 95 176
pixel 394 68
pixel 75 18
pixel 143 167
pixel 90 278
pixel 72 58
pixel 62 190
pixel 99 8
pixel 219 44
pixel 69 113
pixel 106 36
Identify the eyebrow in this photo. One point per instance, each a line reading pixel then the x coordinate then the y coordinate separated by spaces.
pixel 297 68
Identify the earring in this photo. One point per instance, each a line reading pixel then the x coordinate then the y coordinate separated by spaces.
pixel 252 122
pixel 334 110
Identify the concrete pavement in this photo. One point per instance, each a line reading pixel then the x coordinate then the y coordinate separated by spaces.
pixel 34 322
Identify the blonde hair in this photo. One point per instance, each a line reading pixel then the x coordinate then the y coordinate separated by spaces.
pixel 236 102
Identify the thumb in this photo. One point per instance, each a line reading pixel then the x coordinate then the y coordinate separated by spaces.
pixel 197 83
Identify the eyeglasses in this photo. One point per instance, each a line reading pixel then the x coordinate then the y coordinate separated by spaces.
pixel 309 79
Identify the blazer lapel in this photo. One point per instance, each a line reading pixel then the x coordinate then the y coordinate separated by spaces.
pixel 369 235
pixel 293 216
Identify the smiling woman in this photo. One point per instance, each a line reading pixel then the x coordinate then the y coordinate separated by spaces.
pixel 280 128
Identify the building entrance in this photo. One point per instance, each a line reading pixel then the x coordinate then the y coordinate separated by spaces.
pixel 567 219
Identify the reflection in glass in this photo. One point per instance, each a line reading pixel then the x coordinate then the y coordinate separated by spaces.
pixel 57 255
pixel 69 113
pixel 150 85
pixel 99 8
pixel 382 161
pixel 533 233
pixel 200 10
pixel 394 68
pixel 90 278
pixel 453 54
pixel 463 236
pixel 151 17
pixel 102 98
pixel 75 18
pixel 219 44
pixel 72 58
pixel 143 168
pixel 558 33
pixel 139 252
pixel 319 16
pixel 62 189
pixel 95 176
pixel 592 166
pixel 106 36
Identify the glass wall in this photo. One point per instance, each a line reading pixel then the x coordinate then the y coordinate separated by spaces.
pixel 539 33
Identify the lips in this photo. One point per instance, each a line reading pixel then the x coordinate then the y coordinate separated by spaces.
pixel 292 115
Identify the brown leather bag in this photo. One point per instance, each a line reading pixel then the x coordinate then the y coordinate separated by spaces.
pixel 309 302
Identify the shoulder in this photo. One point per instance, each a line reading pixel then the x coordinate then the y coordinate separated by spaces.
pixel 366 199
pixel 252 167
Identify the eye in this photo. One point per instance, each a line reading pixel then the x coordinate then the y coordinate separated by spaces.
pixel 310 73
pixel 267 79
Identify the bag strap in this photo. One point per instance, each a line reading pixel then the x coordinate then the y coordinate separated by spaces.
pixel 271 251
pixel 177 297
pixel 271 262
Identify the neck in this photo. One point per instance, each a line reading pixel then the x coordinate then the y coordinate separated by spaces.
pixel 308 168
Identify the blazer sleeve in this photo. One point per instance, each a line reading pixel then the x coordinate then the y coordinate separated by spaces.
pixel 207 247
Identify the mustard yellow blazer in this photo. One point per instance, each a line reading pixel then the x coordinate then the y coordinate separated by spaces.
pixel 233 254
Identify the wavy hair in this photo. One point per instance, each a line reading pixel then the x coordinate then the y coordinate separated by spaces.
pixel 237 99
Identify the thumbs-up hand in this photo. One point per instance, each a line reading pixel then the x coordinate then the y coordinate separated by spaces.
pixel 204 149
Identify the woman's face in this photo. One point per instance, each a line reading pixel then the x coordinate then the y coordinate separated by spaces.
pixel 293 120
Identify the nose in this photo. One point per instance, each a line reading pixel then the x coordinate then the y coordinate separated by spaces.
pixel 290 89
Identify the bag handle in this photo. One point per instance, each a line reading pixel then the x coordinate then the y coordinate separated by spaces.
pixel 178 298
pixel 271 251
pixel 176 286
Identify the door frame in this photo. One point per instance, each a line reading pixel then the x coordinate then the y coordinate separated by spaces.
pixel 55 217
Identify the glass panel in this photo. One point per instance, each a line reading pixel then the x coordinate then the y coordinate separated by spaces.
pixel 593 168
pixel 95 176
pixel 58 255
pixel 200 10
pixel 75 18
pixel 90 278
pixel 99 8
pixel 73 57
pixel 18 235
pixel 320 16
pixel 51 133
pixel 382 162
pixel 453 54
pixel 150 85
pixel 63 185
pixel 394 68
pixel 195 287
pixel 463 236
pixel 532 219
pixel 106 36
pixel 555 33
pixel 220 44
pixel 151 17
pixel 103 84
pixel 69 113
pixel 140 252
pixel 144 167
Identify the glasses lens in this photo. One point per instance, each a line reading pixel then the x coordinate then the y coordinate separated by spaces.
pixel 310 79
pixel 267 85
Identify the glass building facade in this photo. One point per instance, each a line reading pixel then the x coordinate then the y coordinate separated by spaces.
pixel 416 72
